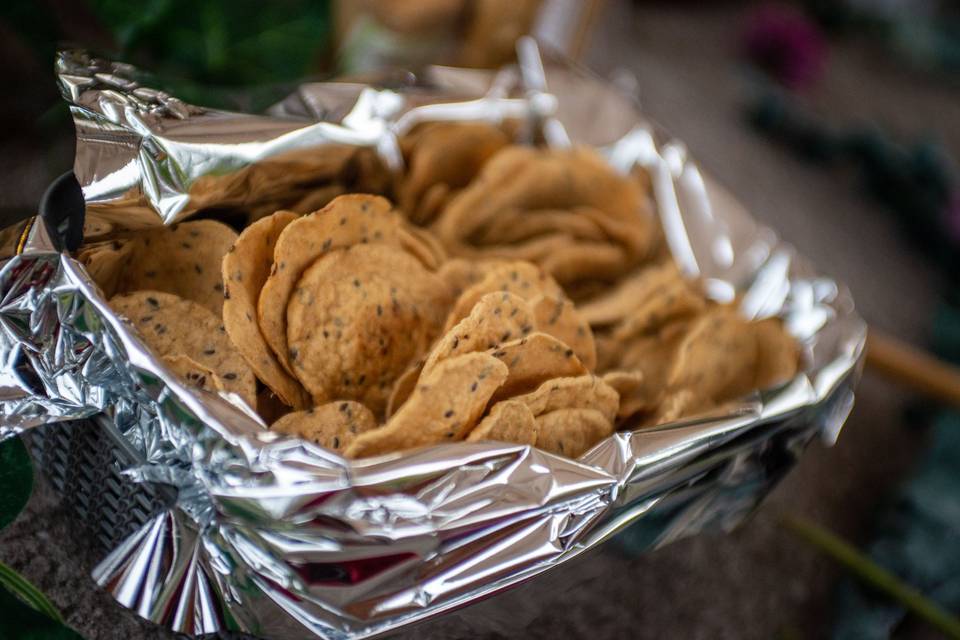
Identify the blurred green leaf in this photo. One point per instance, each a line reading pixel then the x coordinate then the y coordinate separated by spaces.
pixel 18 621
pixel 19 586
pixel 16 479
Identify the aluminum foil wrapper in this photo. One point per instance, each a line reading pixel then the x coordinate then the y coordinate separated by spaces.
pixel 277 537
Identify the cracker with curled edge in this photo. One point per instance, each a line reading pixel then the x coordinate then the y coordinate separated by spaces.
pixel 585 260
pixel 580 392
pixel 446 404
pixel 245 269
pixel 519 178
pixel 508 421
pixel 495 319
pixel 516 226
pixel 522 279
pixel 348 220
pixel 631 386
pixel 356 320
pixel 183 260
pixel 172 326
pixel 676 300
pixel 571 432
pixel 559 318
pixel 105 262
pixel 533 360
pixel 499 318
pixel 334 425
pixel 631 292
pixel 444 153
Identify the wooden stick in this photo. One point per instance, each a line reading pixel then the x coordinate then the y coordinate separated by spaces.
pixel 912 368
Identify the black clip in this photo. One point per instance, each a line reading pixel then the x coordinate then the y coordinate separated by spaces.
pixel 63 210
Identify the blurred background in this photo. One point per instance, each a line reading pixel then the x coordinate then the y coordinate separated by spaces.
pixel 835 122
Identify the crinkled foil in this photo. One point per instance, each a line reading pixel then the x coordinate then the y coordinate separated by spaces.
pixel 276 537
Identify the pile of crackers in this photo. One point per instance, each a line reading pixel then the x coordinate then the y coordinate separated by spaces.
pixel 490 291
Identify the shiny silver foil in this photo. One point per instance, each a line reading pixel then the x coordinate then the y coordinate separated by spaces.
pixel 277 537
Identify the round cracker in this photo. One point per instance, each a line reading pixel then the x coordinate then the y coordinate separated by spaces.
pixel 348 220
pixel 333 425
pixel 172 326
pixel 357 319
pixel 183 260
pixel 245 269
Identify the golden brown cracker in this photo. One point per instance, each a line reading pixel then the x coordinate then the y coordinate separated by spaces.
pixel 717 359
pixel 183 260
pixel 677 300
pixel 403 387
pixel 508 421
pixel 495 319
pixel 334 425
pixel 106 263
pixel 631 292
pixel 173 326
pixel 533 360
pixel 516 226
pixel 571 432
pixel 559 318
pixel 245 269
pixel 422 244
pixel 461 274
pixel 652 356
pixel 193 373
pixel 585 260
pixel 445 406
pixel 777 351
pixel 348 220
pixel 522 279
pixel 358 318
pixel 446 153
pixel 431 203
pixel 316 198
pixel 634 392
pixel 527 179
pixel 580 392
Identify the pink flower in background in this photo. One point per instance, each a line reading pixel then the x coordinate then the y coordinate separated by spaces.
pixel 786 44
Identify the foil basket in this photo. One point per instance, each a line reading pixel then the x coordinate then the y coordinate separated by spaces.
pixel 244 530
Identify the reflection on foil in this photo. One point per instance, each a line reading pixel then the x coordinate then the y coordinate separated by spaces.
pixel 278 537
